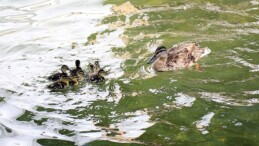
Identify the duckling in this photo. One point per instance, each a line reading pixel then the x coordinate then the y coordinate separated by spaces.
pixel 90 71
pixel 74 80
pixel 79 77
pixel 57 76
pixel 179 57
pixel 96 66
pixel 74 71
pixel 91 68
pixel 60 84
pixel 99 77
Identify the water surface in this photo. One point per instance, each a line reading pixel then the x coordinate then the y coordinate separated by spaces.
pixel 215 106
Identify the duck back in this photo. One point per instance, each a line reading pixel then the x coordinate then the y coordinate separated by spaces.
pixel 57 76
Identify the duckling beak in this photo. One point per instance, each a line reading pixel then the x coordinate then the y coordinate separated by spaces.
pixel 152 59
pixel 106 73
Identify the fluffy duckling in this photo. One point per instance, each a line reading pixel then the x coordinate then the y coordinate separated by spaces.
pixel 178 57
pixel 90 71
pixel 99 77
pixel 96 66
pixel 60 84
pixel 81 75
pixel 74 71
pixel 76 79
pixel 57 76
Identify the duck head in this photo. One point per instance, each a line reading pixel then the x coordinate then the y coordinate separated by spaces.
pixel 77 63
pixel 102 72
pixel 80 73
pixel 91 67
pixel 64 68
pixel 96 66
pixel 160 53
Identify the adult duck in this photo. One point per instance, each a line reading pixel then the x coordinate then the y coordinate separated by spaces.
pixel 57 76
pixel 178 57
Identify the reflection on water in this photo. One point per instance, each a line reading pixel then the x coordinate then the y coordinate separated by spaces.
pixel 36 39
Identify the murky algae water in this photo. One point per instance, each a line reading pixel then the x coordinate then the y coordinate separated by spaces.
pixel 217 105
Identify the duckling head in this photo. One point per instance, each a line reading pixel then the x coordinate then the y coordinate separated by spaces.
pixel 160 53
pixel 102 72
pixel 77 63
pixel 96 63
pixel 96 66
pixel 91 67
pixel 80 73
pixel 64 68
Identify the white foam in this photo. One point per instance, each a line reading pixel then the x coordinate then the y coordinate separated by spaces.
pixel 252 92
pixel 254 2
pixel 206 52
pixel 134 126
pixel 128 129
pixel 238 124
pixel 254 67
pixel 183 100
pixel 253 101
pixel 154 91
pixel 219 98
pixel 204 122
pixel 246 50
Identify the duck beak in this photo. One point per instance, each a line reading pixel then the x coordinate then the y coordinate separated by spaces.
pixel 152 59
pixel 105 73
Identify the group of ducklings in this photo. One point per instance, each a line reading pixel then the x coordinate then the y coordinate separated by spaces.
pixel 76 76
pixel 178 57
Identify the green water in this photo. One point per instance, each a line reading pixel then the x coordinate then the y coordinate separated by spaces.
pixel 227 85
pixel 222 26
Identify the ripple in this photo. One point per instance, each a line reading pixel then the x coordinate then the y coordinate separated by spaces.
pixel 183 100
pixel 34 50
pixel 254 2
pixel 204 122
pixel 222 99
pixel 254 67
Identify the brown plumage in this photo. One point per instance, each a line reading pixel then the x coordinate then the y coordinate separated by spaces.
pixel 57 76
pixel 78 68
pixel 60 84
pixel 179 57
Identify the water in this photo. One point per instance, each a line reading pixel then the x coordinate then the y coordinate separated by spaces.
pixel 36 39
pixel 217 106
